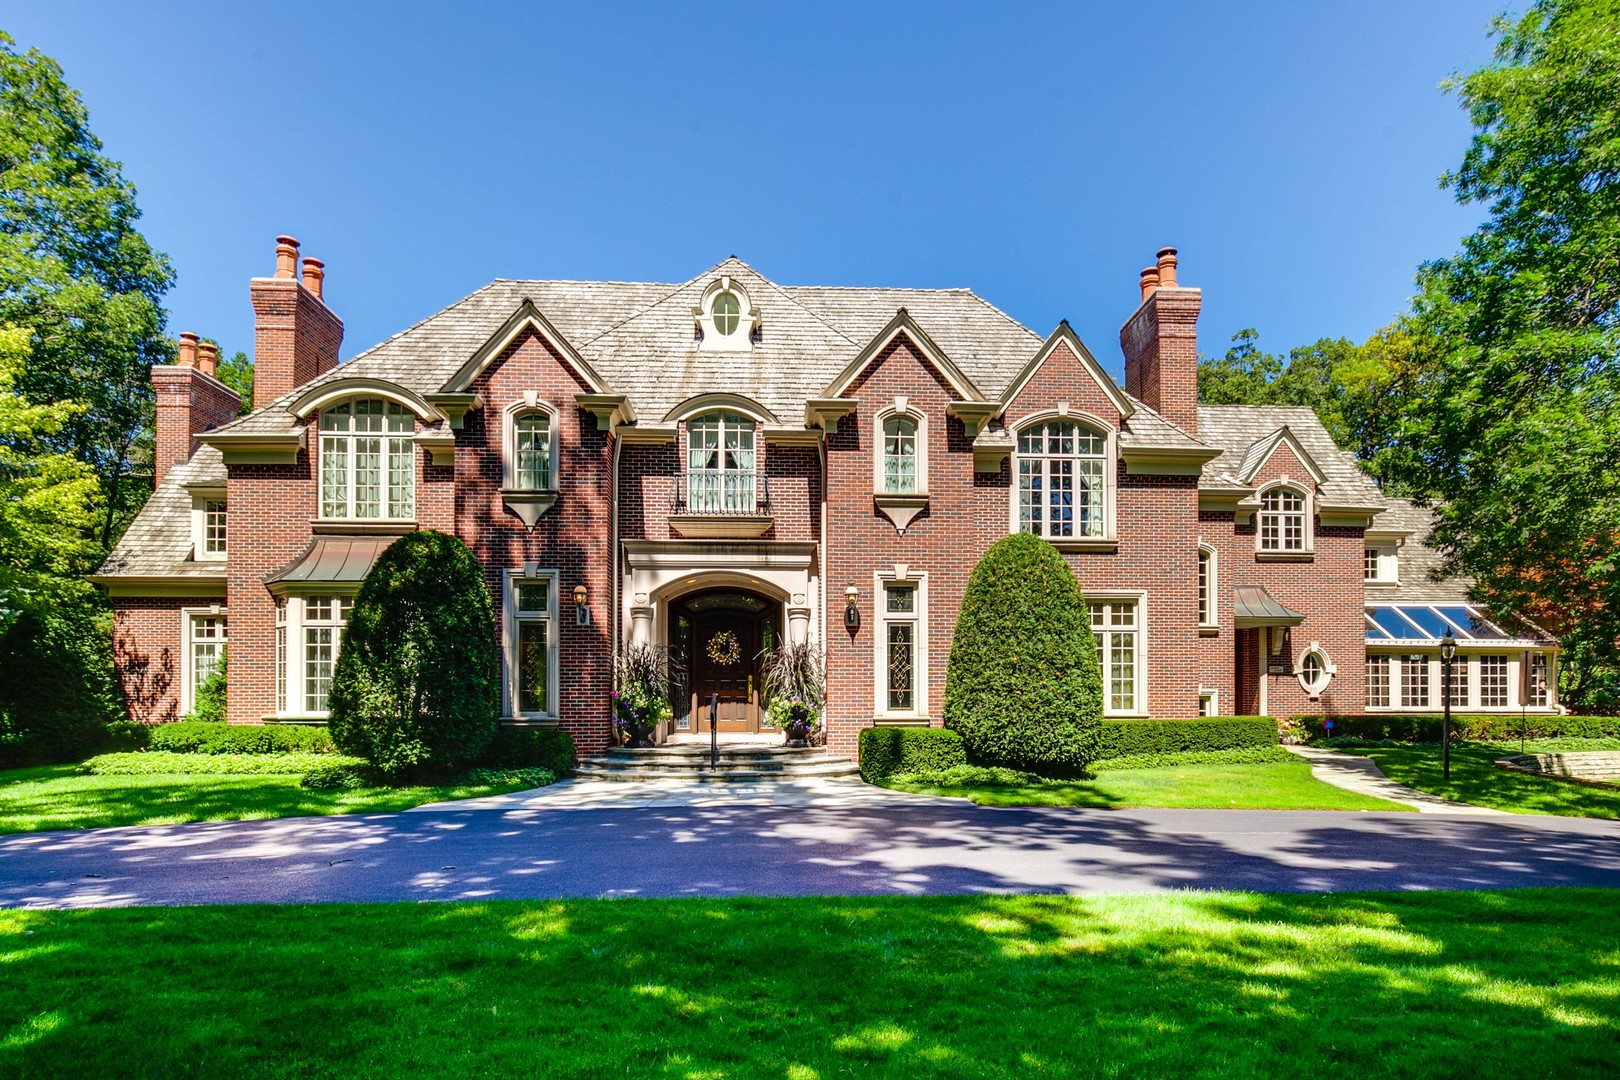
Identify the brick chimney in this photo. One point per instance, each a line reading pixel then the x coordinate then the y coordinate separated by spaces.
pixel 190 400
pixel 1160 342
pixel 295 335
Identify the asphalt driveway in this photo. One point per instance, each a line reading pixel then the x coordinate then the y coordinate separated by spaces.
pixel 460 854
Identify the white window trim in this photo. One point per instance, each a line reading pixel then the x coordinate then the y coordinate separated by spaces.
pixel 292 670
pixel 1388 568
pixel 530 402
pixel 188 703
pixel 1110 537
pixel 319 438
pixel 729 417
pixel 739 340
pixel 1328 668
pixel 899 409
pixel 1212 696
pixel 509 643
pixel 1309 495
pixel 1214 613
pixel 1102 595
pixel 200 498
pixel 900 574
pixel 1469 664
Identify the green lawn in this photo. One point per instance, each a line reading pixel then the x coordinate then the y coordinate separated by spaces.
pixel 1191 984
pixel 1475 779
pixel 1286 785
pixel 57 797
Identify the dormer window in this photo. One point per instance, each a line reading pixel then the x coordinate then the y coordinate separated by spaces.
pixel 726 310
pixel 1284 523
pixel 368 461
pixel 725 319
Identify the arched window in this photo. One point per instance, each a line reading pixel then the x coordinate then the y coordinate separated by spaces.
pixel 900 456
pixel 720 464
pixel 531 451
pixel 1282 521
pixel 1062 468
pixel 368 461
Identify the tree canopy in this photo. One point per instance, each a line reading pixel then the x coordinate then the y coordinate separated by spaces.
pixel 80 278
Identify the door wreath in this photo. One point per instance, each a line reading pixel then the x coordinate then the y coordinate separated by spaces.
pixel 724 649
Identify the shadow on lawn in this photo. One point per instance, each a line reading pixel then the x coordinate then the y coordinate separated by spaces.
pixel 1495 985
pixel 743 851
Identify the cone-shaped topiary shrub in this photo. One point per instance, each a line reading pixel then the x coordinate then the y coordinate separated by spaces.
pixel 417 685
pixel 1023 686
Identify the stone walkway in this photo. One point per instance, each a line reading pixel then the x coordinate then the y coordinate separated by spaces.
pixel 593 794
pixel 1363 776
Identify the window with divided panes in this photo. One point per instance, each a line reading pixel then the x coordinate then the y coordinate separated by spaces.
pixel 1061 482
pixel 1114 626
pixel 900 630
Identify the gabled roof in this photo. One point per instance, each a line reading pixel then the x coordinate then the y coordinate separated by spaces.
pixel 1238 429
pixel 526 318
pixel 158 542
pixel 1064 334
pixel 1255 457
pixel 903 323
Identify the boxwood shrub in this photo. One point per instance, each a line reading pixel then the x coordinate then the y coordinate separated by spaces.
pixel 1426 728
pixel 197 737
pixel 545 748
pixel 1132 738
pixel 888 751
pixel 168 763
pixel 1022 685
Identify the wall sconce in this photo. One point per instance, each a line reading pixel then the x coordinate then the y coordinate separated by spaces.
pixel 582 614
pixel 852 614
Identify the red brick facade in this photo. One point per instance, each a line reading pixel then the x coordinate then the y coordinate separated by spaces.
pixel 826 530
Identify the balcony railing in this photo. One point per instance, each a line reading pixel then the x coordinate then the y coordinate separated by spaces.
pixel 722 494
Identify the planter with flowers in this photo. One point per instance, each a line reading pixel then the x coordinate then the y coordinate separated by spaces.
pixel 795 687
pixel 640 694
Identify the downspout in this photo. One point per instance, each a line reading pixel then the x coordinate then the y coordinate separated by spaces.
pixel 614 583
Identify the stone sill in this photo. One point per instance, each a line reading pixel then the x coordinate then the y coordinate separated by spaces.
pixel 1101 545
pixel 353 527
pixel 531 721
pixel 1285 556
pixel 1209 631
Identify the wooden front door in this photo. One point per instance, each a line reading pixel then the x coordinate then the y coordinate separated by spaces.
pixel 717 634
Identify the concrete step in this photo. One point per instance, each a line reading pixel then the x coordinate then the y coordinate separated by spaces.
pixel 741 763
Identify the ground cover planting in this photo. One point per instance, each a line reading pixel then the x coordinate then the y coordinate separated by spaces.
pixel 1476 779
pixel 1198 984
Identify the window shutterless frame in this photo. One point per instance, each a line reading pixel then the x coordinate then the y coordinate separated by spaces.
pixel 367 461
pixel 900 645
pixel 206 631
pixel 530 645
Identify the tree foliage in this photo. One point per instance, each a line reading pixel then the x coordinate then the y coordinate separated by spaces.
pixel 80 278
pixel 1511 424
pixel 418 681
pixel 1023 686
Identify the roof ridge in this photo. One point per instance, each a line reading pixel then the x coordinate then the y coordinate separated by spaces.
pixel 661 299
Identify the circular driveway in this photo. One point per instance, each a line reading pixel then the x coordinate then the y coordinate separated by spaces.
pixel 899 849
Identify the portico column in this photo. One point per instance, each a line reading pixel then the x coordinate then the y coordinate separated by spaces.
pixel 798 621
pixel 641 621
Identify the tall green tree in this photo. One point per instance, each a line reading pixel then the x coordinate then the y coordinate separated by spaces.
pixel 1512 421
pixel 78 275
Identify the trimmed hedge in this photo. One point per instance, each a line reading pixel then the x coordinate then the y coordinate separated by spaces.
pixel 1022 685
pixel 545 748
pixel 1122 738
pixel 198 737
pixel 888 751
pixel 416 689
pixel 1499 727
pixel 1245 755
pixel 529 778
pixel 166 763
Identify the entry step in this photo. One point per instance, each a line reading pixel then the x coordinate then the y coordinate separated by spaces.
pixel 740 763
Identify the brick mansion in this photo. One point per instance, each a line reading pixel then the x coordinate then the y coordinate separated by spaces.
pixel 733 458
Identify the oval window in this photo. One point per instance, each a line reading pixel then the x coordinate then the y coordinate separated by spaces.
pixel 1315 671
pixel 726 310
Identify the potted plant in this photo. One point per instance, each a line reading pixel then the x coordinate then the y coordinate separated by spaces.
pixel 796 690
pixel 640 694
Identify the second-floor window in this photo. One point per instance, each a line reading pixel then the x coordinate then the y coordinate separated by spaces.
pixel 899 456
pixel 531 448
pixel 1061 491
pixel 1206 586
pixel 1282 520
pixel 720 464
pixel 368 461
pixel 214 527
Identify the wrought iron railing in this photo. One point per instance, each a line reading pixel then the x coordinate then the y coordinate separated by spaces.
pixel 722 494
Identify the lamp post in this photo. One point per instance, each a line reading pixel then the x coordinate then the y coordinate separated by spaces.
pixel 1448 653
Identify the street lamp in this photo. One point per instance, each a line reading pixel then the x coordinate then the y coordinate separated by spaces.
pixel 1448 653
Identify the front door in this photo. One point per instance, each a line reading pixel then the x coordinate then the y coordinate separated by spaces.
pixel 724 646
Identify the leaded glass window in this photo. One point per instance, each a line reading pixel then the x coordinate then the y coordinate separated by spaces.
pixel 531 630
pixel 368 461
pixel 1061 489
pixel 900 637
pixel 899 455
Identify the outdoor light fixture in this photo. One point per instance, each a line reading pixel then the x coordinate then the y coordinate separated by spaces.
pixel 582 614
pixel 852 614
pixel 1448 653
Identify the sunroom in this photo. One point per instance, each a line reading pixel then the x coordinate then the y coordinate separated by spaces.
pixel 1500 665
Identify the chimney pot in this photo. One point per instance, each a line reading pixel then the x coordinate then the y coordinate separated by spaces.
pixel 208 358
pixel 1167 268
pixel 1150 281
pixel 314 274
pixel 286 257
pixel 188 350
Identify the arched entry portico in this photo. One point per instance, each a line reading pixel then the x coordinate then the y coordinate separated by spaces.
pixel 716 640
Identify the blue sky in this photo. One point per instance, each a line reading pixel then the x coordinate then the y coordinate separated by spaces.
pixel 1037 153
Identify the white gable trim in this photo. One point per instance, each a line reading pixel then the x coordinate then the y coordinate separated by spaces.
pixel 527 317
pixel 1278 438
pixel 903 323
pixel 1065 333
pixel 317 397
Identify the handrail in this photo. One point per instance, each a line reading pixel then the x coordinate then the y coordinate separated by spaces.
pixel 733 493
